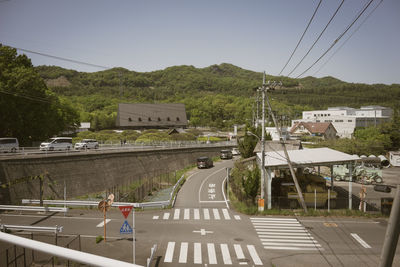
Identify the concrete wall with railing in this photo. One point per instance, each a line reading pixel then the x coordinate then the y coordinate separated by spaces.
pixel 85 174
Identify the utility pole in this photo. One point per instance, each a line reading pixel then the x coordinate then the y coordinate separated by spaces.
pixel 271 86
pixel 262 89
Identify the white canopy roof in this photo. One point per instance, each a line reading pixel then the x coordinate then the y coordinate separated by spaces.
pixel 307 157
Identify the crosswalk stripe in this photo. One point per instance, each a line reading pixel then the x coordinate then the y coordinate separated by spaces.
pixel 360 240
pixel 237 217
pixel 186 215
pixel 176 214
pixel 166 216
pixel 279 227
pixel 216 214
pixel 276 224
pixel 170 252
pixel 282 230
pixel 273 219
pixel 212 257
pixel 289 244
pixel 239 252
pixel 254 255
pixel 306 237
pixel 286 240
pixel 197 253
pixel 155 217
pixel 226 257
pixel 291 248
pixel 206 214
pixel 196 214
pixel 183 253
pixel 226 214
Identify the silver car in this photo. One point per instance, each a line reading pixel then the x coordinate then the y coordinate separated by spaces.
pixel 87 144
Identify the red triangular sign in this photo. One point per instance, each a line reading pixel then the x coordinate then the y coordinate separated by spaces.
pixel 125 210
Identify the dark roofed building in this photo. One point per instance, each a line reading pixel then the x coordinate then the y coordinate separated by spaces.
pixel 322 129
pixel 137 116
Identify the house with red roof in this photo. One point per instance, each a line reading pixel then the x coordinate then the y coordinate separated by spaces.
pixel 325 130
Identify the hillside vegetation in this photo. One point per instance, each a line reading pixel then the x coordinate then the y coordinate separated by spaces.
pixel 216 96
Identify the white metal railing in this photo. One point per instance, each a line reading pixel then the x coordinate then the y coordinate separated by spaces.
pixel 33 208
pixel 56 229
pixel 74 255
pixel 153 252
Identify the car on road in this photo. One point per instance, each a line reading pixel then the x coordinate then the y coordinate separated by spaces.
pixel 57 143
pixel 235 151
pixel 9 144
pixel 204 162
pixel 226 154
pixel 87 144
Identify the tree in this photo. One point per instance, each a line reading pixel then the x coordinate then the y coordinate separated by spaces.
pixel 29 111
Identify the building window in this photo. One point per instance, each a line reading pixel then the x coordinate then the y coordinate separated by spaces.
pixel 177 118
pixel 350 121
pixel 159 119
pixel 168 119
pixel 129 119
pixel 149 119
pixel 140 119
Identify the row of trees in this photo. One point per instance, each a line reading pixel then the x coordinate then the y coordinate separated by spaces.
pixel 28 109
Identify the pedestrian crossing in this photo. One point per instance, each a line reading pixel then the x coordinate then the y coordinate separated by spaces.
pixel 284 234
pixel 198 214
pixel 212 254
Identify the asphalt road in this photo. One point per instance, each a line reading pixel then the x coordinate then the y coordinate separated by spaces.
pixel 202 230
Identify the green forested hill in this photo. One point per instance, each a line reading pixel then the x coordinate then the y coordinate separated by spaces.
pixel 218 95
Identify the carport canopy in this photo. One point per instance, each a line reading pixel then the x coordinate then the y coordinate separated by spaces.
pixel 307 158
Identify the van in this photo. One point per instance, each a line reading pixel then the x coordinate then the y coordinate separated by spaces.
pixel 9 144
pixel 57 143
pixel 226 154
pixel 204 162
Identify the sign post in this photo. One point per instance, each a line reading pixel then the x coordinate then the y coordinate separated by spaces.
pixel 126 228
pixel 104 206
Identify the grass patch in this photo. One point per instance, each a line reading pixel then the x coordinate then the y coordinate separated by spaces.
pixel 99 238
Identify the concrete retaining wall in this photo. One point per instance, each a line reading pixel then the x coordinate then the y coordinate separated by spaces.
pixel 89 173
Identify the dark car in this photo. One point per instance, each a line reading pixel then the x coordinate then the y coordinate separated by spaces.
pixel 226 154
pixel 204 162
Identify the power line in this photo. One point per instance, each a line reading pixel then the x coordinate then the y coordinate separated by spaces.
pixel 309 50
pixel 337 50
pixel 301 38
pixel 337 39
pixel 60 58
pixel 33 98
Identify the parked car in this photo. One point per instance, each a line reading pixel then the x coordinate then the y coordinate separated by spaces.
pixel 57 143
pixel 204 162
pixel 235 151
pixel 9 144
pixel 226 154
pixel 87 144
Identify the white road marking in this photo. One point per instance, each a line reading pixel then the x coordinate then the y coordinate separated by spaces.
pixel 237 217
pixel 206 214
pixel 216 214
pixel 196 214
pixel 102 223
pixel 223 192
pixel 170 252
pixel 197 253
pixel 183 252
pixel 226 257
pixel 289 244
pixel 254 255
pixel 272 219
pixel 176 214
pixel 186 215
pixel 212 257
pixel 306 237
pixel 239 252
pixel 155 217
pixel 226 214
pixel 287 240
pixel 166 216
pixel 208 177
pixel 278 227
pixel 360 240
pixel 282 230
pixel 267 233
pixel 289 248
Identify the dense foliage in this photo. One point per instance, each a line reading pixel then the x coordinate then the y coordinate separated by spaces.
pixel 28 109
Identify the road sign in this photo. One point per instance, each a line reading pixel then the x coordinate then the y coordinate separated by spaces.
pixel 125 210
pixel 126 228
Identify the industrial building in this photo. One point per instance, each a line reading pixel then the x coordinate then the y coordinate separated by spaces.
pixel 346 119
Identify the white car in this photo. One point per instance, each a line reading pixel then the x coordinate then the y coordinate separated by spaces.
pixel 57 143
pixel 87 144
pixel 235 151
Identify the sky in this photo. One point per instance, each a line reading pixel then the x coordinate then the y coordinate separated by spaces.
pixel 257 35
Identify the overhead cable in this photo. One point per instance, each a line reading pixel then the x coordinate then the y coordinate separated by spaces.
pixel 301 38
pixel 309 50
pixel 337 39
pixel 60 58
pixel 359 26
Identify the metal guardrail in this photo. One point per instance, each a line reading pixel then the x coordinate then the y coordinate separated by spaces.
pixel 56 229
pixel 33 208
pixel 153 252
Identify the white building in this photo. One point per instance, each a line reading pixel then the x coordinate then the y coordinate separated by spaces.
pixel 275 135
pixel 346 119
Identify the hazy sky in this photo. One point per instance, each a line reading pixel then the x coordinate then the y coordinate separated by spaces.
pixel 256 35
